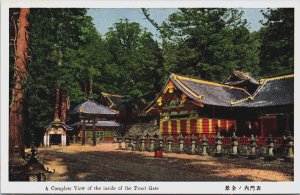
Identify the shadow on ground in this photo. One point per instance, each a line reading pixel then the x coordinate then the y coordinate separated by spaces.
pixel 141 166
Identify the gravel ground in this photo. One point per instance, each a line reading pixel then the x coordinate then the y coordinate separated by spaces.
pixel 105 163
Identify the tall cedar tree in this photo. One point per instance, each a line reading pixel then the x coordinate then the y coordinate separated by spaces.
pixel 16 115
pixel 59 37
pixel 210 43
pixel 277 47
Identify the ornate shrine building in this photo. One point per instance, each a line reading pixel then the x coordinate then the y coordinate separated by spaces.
pixel 242 104
pixel 56 133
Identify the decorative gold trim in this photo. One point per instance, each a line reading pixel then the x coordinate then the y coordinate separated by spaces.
pixel 187 89
pixel 238 101
pixel 170 87
pixel 276 78
pixel 108 94
pixel 159 101
pixel 150 108
pixel 207 82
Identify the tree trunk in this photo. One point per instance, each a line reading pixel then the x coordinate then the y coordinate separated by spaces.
pixel 64 106
pixel 85 89
pixel 56 108
pixel 16 115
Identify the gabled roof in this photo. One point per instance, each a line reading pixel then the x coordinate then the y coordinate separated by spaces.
pixel 114 101
pixel 238 77
pixel 273 91
pixel 92 107
pixel 204 92
pixel 59 124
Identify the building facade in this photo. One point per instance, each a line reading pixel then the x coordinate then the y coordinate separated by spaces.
pixel 242 104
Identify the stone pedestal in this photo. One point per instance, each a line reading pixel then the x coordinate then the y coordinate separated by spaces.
pixel 193 147
pixel 115 140
pixel 218 152
pixel 234 149
pixel 127 143
pixel 133 145
pixel 253 146
pixel 193 144
pixel 290 154
pixel 142 144
pixel 234 144
pixel 181 146
pixel 270 155
pixel 218 143
pixel 120 143
pixel 181 142
pixel 170 146
pixel 152 141
pixel 204 146
pixel 170 141
pixel 161 143
pixel 204 152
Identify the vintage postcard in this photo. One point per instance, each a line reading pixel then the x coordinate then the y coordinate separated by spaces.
pixel 149 97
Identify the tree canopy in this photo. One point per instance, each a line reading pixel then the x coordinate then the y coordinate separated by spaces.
pixel 210 43
pixel 277 41
pixel 67 51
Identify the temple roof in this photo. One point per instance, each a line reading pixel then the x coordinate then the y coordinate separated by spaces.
pixel 59 124
pixel 238 77
pixel 274 91
pixel 92 107
pixel 205 92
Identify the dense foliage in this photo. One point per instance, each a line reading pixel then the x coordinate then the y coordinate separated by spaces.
pixel 277 41
pixel 67 51
pixel 211 43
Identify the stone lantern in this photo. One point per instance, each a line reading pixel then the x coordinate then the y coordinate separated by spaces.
pixel 33 170
pixel 119 139
pixel 142 138
pixel 193 144
pixel 152 141
pixel 204 145
pixel 253 146
pixel 74 139
pixel 127 142
pixel 161 142
pixel 270 155
pixel 133 144
pixel 181 141
pixel 234 144
pixel 290 145
pixel 170 141
pixel 218 143
pixel 115 139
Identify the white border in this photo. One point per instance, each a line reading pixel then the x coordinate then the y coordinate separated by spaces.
pixel 164 187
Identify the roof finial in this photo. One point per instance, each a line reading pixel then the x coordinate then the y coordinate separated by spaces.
pixel 91 90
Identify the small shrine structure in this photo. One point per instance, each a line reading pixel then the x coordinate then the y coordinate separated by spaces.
pixel 56 133
pixel 94 121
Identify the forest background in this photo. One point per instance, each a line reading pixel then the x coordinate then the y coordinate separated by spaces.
pixel 67 51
